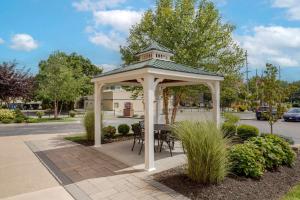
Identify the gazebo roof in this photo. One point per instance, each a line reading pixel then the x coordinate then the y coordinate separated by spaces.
pixel 156 46
pixel 158 64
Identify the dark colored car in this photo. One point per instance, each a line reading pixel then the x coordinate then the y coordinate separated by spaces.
pixel 264 109
pixel 292 115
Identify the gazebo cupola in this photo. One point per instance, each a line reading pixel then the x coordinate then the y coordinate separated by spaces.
pixel 155 51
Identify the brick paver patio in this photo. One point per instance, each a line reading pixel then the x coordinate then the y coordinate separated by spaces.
pixel 87 173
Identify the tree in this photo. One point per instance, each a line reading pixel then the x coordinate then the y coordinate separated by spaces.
pixel 15 83
pixel 273 94
pixel 83 70
pixel 194 31
pixel 56 81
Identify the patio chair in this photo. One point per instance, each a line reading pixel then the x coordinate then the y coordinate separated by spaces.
pixel 167 137
pixel 138 134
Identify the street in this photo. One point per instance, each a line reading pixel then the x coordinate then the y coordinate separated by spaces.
pixel 290 129
pixel 49 128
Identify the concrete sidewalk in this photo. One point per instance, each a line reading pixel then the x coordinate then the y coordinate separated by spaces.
pixel 22 175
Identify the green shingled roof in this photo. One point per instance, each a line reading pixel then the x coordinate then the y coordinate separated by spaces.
pixel 155 46
pixel 157 64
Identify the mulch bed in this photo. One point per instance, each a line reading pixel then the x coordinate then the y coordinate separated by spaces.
pixel 118 138
pixel 273 185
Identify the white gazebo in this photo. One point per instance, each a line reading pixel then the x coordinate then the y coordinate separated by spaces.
pixel 153 72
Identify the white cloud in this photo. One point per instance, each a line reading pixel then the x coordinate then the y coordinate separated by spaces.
pixel 1 41
pixel 120 20
pixel 23 42
pixel 274 44
pixel 292 6
pixel 93 5
pixel 108 27
pixel 110 41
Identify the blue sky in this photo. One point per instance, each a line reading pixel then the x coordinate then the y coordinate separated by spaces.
pixel 31 29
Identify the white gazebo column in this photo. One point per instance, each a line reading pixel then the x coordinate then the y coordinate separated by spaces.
pixel 149 87
pixel 215 90
pixel 158 107
pixel 97 111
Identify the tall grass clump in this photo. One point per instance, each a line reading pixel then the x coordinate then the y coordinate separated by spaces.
pixel 206 150
pixel 89 124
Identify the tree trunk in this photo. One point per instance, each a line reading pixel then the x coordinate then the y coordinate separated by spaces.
pixel 61 106
pixel 55 109
pixel 271 128
pixel 175 107
pixel 166 94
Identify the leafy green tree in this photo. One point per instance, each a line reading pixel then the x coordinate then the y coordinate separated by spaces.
pixel 56 81
pixel 193 30
pixel 273 94
pixel 83 70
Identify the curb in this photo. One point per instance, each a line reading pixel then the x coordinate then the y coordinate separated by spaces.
pixel 36 124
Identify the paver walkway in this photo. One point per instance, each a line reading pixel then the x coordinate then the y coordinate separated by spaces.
pixel 89 174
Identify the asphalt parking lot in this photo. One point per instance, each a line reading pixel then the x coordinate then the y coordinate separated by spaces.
pixel 290 129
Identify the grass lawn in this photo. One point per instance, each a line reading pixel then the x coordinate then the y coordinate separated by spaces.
pixel 40 120
pixel 293 194
pixel 77 137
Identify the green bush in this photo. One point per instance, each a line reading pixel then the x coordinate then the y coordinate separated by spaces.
pixel 289 154
pixel 19 120
pixel 89 124
pixel 109 131
pixel 40 114
pixel 289 140
pixel 123 129
pixel 19 114
pixel 272 153
pixel 242 108
pixel 246 160
pixel 206 150
pixel 231 118
pixel 72 113
pixel 247 131
pixel 7 121
pixel 6 114
pixel 228 129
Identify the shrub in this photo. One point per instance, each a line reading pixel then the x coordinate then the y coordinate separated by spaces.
pixel 40 114
pixel 19 120
pixel 247 131
pixel 242 108
pixel 89 125
pixel 6 114
pixel 19 114
pixel 289 154
pixel 123 129
pixel 289 140
pixel 231 118
pixel 7 121
pixel 228 129
pixel 72 113
pixel 206 150
pixel 109 131
pixel 246 160
pixel 272 153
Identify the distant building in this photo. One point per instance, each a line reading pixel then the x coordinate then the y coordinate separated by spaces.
pixel 114 99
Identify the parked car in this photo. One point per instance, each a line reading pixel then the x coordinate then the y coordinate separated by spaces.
pixel 264 109
pixel 292 115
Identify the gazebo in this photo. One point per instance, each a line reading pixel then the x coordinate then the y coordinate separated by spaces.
pixel 154 71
